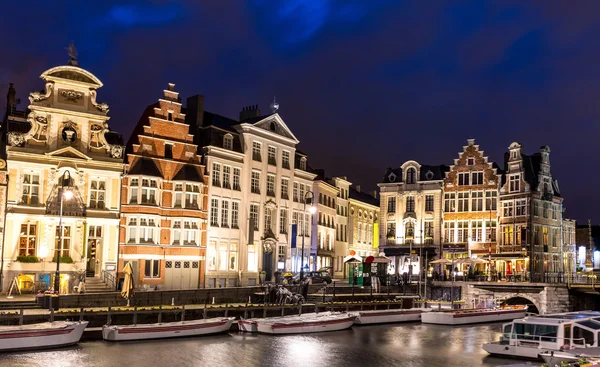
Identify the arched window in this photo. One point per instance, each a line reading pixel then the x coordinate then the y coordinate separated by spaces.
pixel 228 142
pixel 303 163
pixel 411 176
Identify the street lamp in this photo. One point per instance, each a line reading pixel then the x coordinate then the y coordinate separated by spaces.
pixel 308 198
pixel 64 193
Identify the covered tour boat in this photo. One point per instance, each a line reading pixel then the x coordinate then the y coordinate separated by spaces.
pixel 251 325
pixel 474 316
pixel 311 323
pixel 529 337
pixel 167 329
pixel 41 336
pixel 389 316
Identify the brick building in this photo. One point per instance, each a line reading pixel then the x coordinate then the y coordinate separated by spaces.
pixel 164 200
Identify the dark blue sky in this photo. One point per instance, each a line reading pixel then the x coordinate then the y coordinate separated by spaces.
pixel 364 85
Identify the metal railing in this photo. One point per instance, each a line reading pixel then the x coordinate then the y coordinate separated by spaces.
pixel 109 278
pixel 536 340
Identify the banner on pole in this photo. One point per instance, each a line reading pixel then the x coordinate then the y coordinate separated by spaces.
pixel 375 235
pixel 294 234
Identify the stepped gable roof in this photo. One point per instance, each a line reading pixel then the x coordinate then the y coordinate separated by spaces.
pixel 362 196
pixel 188 173
pixel 145 167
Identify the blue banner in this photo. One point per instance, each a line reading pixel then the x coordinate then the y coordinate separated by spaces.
pixel 294 234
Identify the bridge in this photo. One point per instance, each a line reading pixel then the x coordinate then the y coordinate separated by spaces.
pixel 541 297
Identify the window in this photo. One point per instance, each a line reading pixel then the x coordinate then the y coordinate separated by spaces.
pixel 536 209
pixel 518 234
pixel 190 233
pixel 463 201
pixel 254 215
pixel 178 195
pixel 306 223
pixel 152 269
pixel 428 203
pixel 233 256
pixel 358 232
pixel 428 232
pixel 211 255
pixel 216 177
pixel 285 159
pixel 284 188
pixel 491 230
pixel 176 232
pixel 391 231
pixel 31 189
pixel 227 177
pixel 507 208
pixel 283 225
pixel 168 151
pixel 281 257
pixel 147 229
pixel 545 212
pixel 268 220
pixel 272 154
pixel 132 230
pixel 463 231
pixel 214 212
pixel 97 193
pixel 255 183
pixel 303 163
pixel 476 178
pixel 514 181
pixel 236 179
pixel 256 152
pixel 391 205
pixel 476 231
pixel 170 115
pixel 521 207
pixel 302 193
pixel 149 191
pixel 295 193
pixel 470 161
pixel 449 232
pixel 463 179
pixel 491 200
pixel 192 192
pixel 133 190
pixel 271 185
pixel 65 244
pixel 409 232
pixel 27 239
pixel 252 258
pixel 411 176
pixel 450 202
pixel 410 204
pixel 545 236
pixel 554 210
pixel 224 213
pixel 228 142
pixel 477 201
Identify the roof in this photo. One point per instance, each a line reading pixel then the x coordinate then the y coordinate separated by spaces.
pixel 362 196
pixel 113 138
pixel 252 120
pixel 188 173
pixel 437 173
pixel 145 167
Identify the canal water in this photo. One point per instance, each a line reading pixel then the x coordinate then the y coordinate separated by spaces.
pixel 396 345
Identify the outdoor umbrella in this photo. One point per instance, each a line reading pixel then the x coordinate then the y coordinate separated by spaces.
pixel 127 290
pixel 443 261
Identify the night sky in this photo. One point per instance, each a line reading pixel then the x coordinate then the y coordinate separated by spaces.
pixel 364 85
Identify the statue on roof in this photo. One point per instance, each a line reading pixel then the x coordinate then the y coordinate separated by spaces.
pixel 72 51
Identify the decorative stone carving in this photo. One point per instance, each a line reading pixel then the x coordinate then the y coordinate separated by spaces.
pixel 97 139
pixel 69 132
pixel 102 107
pixel 39 127
pixel 52 175
pixel 38 96
pixel 71 95
pixel 80 181
pixel 116 151
pixel 267 247
pixel 16 139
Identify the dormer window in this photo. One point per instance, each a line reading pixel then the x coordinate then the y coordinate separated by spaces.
pixel 170 116
pixel 411 176
pixel 303 163
pixel 514 154
pixel 392 177
pixel 471 161
pixel 228 142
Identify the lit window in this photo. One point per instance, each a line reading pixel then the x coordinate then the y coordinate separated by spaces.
pixel 514 181
pixel 285 159
pixel 256 151
pixel 255 183
pixel 65 244
pixel 216 174
pixel 272 160
pixel 31 189
pixel 228 142
pixel 97 193
pixel 28 239
pixel 152 269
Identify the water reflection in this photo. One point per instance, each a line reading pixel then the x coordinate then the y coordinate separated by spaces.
pixel 412 344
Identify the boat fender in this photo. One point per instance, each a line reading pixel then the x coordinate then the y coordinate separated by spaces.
pixel 506 348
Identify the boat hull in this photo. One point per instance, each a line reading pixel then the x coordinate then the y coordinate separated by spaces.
pixel 387 316
pixel 305 327
pixel 167 330
pixel 248 326
pixel 474 317
pixel 48 335
pixel 514 351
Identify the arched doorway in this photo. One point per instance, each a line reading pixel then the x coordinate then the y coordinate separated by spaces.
pixel 513 301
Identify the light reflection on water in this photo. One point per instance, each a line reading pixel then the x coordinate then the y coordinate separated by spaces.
pixel 411 344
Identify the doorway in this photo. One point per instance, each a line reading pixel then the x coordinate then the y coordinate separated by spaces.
pixel 93 247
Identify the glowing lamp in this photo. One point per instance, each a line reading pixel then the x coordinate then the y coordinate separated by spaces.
pixel 68 195
pixel 312 210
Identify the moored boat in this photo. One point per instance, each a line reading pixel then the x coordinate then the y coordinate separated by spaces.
pixel 167 329
pixel 334 321
pixel 389 316
pixel 250 325
pixel 572 333
pixel 41 336
pixel 474 316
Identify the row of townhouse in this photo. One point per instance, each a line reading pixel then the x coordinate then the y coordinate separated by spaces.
pixel 193 199
pixel 512 215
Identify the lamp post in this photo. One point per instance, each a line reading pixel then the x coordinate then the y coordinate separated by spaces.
pixel 308 198
pixel 62 195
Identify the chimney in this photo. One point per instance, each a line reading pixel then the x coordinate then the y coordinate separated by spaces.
pixel 195 110
pixel 357 187
pixel 249 112
pixel 374 194
pixel 471 142
pixel 320 172
pixel 10 97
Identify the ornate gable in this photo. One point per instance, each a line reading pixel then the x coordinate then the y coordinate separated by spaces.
pixel 275 124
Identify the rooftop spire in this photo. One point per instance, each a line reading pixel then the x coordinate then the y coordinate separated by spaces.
pixel 72 52
pixel 274 105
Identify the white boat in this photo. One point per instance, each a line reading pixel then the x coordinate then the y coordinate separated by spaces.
pixel 528 337
pixel 41 336
pixel 167 329
pixel 389 316
pixel 251 325
pixel 474 316
pixel 316 324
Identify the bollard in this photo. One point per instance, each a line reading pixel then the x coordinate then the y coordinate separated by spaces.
pixel 21 317
pixel 282 310
pixel 347 306
pixel 265 311
pixel 108 320
pixel 226 309
pixel 204 312
pixel 246 309
pixel 182 313
pixel 173 301
pixel 134 315
pixel 159 314
pixel 51 315
pixel 81 314
pixel 300 309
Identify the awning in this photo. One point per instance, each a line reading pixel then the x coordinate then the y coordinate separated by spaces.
pixel 353 259
pixel 399 251
pixel 377 260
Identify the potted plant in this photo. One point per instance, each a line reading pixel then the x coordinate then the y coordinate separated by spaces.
pixel 28 259
pixel 64 259
pixel 261 276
